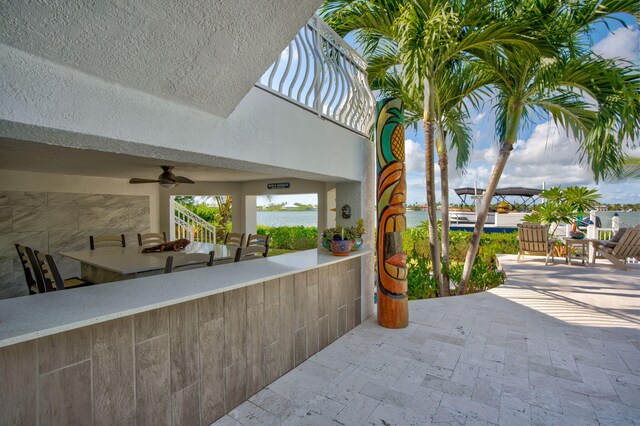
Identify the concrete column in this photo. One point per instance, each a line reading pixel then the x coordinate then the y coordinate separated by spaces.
pixel 331 204
pixel 238 213
pixel 322 212
pixel 250 214
pixel 348 193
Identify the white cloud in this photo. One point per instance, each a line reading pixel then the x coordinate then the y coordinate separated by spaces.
pixel 622 43
pixel 414 156
pixel 548 156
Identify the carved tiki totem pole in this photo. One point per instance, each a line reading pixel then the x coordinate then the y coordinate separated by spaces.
pixel 393 309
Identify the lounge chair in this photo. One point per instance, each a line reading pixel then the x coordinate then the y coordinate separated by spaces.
pixel 623 245
pixel 534 240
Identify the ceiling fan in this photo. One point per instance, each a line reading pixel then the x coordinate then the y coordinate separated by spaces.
pixel 166 179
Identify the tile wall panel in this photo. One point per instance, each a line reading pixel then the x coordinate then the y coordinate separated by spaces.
pixel 64 399
pixel 57 221
pixel 113 371
pixel 189 363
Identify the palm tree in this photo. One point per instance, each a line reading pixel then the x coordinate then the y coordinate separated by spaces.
pixel 458 86
pixel 630 170
pixel 563 86
pixel 418 41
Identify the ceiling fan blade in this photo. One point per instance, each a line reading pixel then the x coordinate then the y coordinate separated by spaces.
pixel 182 179
pixel 138 180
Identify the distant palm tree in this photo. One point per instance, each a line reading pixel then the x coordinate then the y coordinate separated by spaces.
pixel 563 84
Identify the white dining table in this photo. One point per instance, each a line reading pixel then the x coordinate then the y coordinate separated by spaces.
pixel 121 263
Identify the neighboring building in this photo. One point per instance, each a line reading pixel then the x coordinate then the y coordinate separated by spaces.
pixel 289 206
pixel 90 98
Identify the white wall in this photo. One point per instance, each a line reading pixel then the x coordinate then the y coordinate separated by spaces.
pixel 264 134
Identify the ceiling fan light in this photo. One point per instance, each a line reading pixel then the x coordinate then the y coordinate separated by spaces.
pixel 168 185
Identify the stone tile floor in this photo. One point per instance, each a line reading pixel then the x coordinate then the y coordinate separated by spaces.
pixel 554 345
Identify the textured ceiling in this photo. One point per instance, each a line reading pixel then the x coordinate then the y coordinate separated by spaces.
pixel 41 158
pixel 204 54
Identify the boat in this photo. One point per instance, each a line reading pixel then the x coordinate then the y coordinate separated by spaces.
pixel 514 203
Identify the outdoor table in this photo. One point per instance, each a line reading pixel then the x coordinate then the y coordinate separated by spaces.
pixel 122 263
pixel 582 244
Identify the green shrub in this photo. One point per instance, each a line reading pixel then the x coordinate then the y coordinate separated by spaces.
pixel 291 237
pixel 422 285
pixel 484 276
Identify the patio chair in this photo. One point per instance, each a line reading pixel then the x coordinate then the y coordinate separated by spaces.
pixel 188 261
pixel 234 239
pixel 251 253
pixel 628 245
pixel 152 238
pixel 26 255
pixel 50 274
pixel 103 241
pixel 534 240
pixel 259 240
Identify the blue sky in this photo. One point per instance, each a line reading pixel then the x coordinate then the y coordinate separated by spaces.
pixel 543 153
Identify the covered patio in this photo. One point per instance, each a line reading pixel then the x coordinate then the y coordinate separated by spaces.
pixel 554 345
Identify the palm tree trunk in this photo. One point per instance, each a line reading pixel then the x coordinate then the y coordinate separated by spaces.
pixel 434 241
pixel 443 162
pixel 505 150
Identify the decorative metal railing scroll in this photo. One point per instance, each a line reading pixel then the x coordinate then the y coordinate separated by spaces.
pixel 319 71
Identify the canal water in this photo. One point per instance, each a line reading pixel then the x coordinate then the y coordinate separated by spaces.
pixel 414 218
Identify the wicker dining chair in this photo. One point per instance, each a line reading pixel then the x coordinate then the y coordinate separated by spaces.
pixel 188 261
pixel 103 241
pixel 152 238
pixel 251 253
pixel 27 259
pixel 234 239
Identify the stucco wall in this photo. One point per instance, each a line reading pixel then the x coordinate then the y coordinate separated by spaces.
pixel 264 134
pixel 54 213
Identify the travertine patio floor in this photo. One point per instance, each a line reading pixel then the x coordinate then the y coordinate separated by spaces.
pixel 554 345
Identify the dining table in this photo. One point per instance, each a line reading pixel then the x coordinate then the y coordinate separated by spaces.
pixel 122 263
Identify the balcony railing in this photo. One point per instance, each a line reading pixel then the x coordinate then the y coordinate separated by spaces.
pixel 319 71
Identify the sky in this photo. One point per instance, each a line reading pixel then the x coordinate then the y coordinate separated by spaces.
pixel 543 154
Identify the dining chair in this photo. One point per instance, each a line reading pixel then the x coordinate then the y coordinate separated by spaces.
pixel 258 240
pixel 188 261
pixel 152 238
pixel 52 279
pixel 251 253
pixel 234 239
pixel 102 241
pixel 26 254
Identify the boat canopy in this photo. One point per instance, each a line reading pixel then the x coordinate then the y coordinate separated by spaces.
pixel 528 196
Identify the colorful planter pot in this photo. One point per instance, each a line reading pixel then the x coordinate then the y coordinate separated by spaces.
pixel 341 247
pixel 357 243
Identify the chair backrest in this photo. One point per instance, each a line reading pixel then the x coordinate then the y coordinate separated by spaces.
pixel 257 240
pixel 250 253
pixel 26 254
pixel 188 261
pixel 234 239
pixel 629 244
pixel 50 272
pixel 152 238
pixel 533 237
pixel 102 241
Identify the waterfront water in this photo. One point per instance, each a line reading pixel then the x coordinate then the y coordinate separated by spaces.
pixel 414 218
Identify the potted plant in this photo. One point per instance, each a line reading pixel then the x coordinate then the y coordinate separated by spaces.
pixel 353 234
